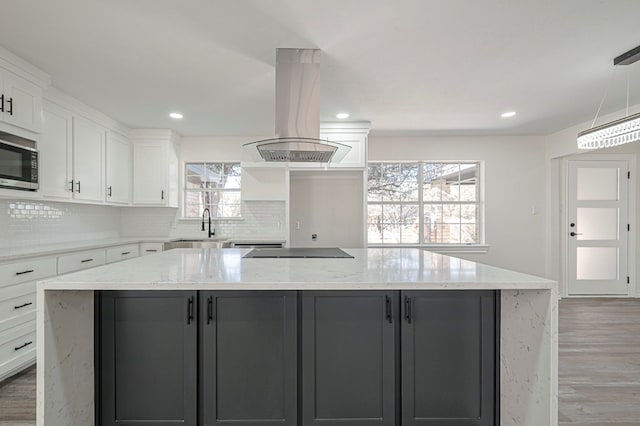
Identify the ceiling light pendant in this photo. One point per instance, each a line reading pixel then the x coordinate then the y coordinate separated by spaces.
pixel 618 132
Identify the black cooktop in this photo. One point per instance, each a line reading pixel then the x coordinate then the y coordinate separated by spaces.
pixel 298 252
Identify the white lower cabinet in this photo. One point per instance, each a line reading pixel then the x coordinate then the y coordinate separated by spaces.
pixel 17 305
pixel 150 248
pixel 117 254
pixel 78 261
pixel 17 348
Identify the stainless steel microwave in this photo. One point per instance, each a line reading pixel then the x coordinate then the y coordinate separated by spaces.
pixel 18 166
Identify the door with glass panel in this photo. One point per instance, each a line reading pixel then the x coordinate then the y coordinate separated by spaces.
pixel 597 228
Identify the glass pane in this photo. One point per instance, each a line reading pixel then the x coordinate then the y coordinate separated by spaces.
pixel 432 213
pixel 230 197
pixel 432 187
pixel 469 233
pixel 392 213
pixel 451 213
pixel 409 185
pixel 232 172
pixel 391 233
pixel 468 182
pixel 597 223
pixel 597 263
pixel 410 224
pixel 374 177
pixel 374 233
pixel 213 174
pixel 469 213
pixel 597 184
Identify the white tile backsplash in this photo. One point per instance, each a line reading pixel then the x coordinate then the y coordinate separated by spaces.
pixel 260 220
pixel 28 223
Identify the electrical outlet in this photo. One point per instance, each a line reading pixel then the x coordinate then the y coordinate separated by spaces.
pixel 314 237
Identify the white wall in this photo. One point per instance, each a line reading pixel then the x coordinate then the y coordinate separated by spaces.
pixel 329 204
pixel 36 222
pixel 514 184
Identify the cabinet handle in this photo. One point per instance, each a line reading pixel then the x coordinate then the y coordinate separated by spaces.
pixel 162 194
pixel 86 260
pixel 24 272
pixel 407 309
pixel 109 191
pixel 78 187
pixel 17 348
pixel 388 309
pixel 23 305
pixel 190 310
pixel 10 102
pixel 151 250
pixel 124 253
pixel 1 103
pixel 72 187
pixel 209 309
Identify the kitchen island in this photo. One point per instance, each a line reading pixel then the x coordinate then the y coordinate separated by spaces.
pixel 526 373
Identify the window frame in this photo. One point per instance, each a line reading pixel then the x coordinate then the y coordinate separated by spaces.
pixel 186 191
pixel 477 247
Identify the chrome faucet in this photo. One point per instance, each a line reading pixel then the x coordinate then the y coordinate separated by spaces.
pixel 211 234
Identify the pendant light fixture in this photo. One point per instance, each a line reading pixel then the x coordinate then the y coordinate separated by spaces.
pixel 618 132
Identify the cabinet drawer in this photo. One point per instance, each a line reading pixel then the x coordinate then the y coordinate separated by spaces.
pixel 17 348
pixel 27 270
pixel 78 261
pixel 150 248
pixel 17 305
pixel 116 254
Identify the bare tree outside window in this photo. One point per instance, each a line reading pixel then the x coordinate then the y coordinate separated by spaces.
pixel 423 203
pixel 215 186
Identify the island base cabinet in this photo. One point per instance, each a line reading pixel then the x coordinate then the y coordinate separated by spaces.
pixel 348 358
pixel 248 362
pixel 448 358
pixel 148 358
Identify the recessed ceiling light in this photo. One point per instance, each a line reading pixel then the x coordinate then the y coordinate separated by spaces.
pixel 508 114
pixel 342 115
pixel 176 115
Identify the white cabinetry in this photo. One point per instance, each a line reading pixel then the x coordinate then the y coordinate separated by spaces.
pixel 150 248
pixel 20 102
pixel 88 160
pixel 118 176
pixel 56 152
pixel 155 168
pixel 355 135
pixel 264 183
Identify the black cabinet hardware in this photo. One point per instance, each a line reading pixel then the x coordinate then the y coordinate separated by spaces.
pixel 78 187
pixel 109 191
pixel 10 102
pixel 151 250
pixel 573 234
pixel 190 310
pixel 209 309
pixel 72 187
pixel 124 253
pixel 1 103
pixel 17 348
pixel 86 260
pixel 388 309
pixel 407 309
pixel 25 272
pixel 162 194
pixel 23 305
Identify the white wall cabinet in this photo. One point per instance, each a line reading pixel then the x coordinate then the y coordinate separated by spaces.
pixel 118 169
pixel 356 158
pixel 88 160
pixel 20 102
pixel 56 152
pixel 155 169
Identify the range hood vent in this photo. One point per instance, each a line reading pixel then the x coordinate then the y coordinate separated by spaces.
pixel 297 113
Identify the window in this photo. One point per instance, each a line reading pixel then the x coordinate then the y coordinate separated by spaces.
pixel 423 203
pixel 215 186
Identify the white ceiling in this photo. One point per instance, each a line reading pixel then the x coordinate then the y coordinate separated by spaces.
pixel 408 66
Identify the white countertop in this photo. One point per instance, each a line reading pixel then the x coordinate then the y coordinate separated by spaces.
pixel 225 269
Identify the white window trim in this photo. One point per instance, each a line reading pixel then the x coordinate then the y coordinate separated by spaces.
pixel 480 247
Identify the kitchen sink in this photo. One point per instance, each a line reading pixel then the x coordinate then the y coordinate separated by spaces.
pixel 204 243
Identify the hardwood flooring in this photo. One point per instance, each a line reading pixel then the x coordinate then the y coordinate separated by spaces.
pixel 599 376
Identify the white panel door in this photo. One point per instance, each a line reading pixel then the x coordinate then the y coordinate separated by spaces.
pixel 118 169
pixel 23 103
pixel 88 160
pixel 598 228
pixel 55 149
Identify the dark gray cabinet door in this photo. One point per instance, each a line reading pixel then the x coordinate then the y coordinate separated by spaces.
pixel 448 358
pixel 348 358
pixel 148 358
pixel 248 361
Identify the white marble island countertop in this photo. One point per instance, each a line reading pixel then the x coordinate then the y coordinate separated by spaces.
pixel 226 269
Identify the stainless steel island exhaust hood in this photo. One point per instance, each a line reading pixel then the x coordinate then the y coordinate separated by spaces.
pixel 297 113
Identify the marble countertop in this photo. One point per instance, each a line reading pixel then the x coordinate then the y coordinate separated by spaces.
pixel 226 269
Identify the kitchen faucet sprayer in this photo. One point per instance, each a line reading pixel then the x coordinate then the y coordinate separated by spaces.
pixel 211 234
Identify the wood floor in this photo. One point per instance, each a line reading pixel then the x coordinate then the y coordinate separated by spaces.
pixel 599 367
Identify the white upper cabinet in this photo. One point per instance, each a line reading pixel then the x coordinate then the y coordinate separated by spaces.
pixel 56 148
pixel 118 166
pixel 21 102
pixel 88 160
pixel 155 168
